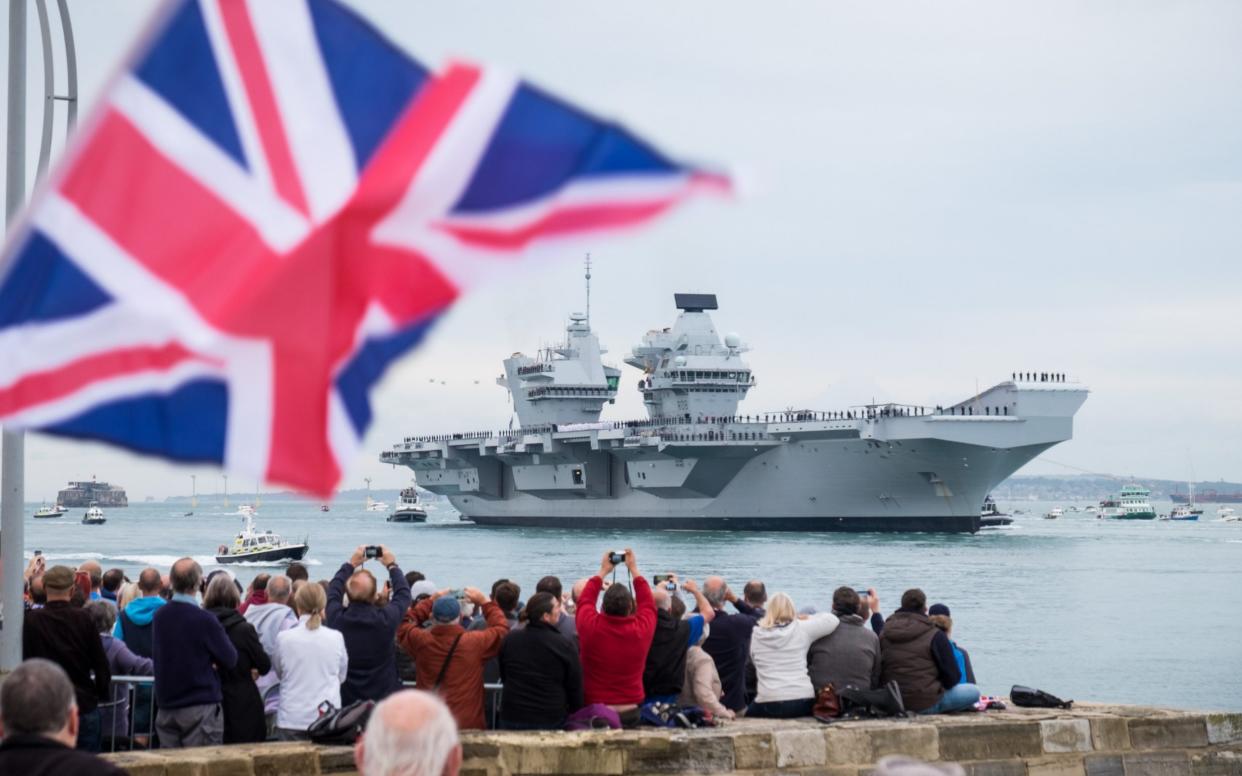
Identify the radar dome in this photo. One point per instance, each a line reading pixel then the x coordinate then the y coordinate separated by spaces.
pixel 733 341
pixel 679 361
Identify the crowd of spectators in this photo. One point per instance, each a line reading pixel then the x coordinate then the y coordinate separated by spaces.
pixel 233 664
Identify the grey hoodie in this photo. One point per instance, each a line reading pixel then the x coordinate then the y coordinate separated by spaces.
pixel 269 620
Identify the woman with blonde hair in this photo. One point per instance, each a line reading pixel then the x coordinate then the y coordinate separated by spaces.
pixel 778 648
pixel 311 662
pixel 128 592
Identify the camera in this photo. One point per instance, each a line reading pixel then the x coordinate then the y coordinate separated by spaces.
pixel 37 553
pixel 457 592
pixel 373 551
pixel 861 592
pixel 666 580
pixel 616 557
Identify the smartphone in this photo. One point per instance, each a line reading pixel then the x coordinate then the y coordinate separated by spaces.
pixel 861 592
pixel 37 553
pixel 373 551
pixel 661 578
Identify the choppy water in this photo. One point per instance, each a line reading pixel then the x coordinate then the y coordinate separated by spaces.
pixel 1133 612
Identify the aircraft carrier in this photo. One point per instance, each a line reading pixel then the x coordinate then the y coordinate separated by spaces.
pixel 699 462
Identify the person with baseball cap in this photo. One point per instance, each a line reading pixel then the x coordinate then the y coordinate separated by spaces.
pixel 447 658
pixel 65 634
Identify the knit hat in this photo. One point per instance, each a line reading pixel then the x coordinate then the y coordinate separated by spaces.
pixel 58 578
pixel 422 587
pixel 939 609
pixel 446 610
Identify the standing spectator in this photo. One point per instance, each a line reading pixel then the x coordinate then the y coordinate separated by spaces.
pixel 39 723
pixel 94 573
pixel 114 720
pixel 368 626
pixel 66 635
pixel 729 642
pixel 614 642
pixel 257 594
pixel 778 647
pixel 918 656
pixel 665 670
pixel 269 620
pixel 295 572
pixel 702 685
pixel 411 733
pixel 850 655
pixel 448 659
pixel 565 624
pixel 311 663
pixel 244 719
pixel 133 626
pixel 188 645
pixel 110 587
pixel 540 670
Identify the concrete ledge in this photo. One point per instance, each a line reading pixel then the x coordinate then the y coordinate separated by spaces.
pixel 1090 740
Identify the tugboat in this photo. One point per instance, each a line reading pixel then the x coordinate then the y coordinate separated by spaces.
pixel 259 546
pixel 409 508
pixel 990 516
pixel 94 516
pixel 55 510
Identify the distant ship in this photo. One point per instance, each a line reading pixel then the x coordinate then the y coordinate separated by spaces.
pixel 1210 496
pixel 83 494
pixel 990 516
pixel 697 462
pixel 409 508
pixel 1131 504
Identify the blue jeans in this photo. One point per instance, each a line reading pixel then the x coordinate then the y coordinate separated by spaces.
pixel 89 731
pixel 781 709
pixel 959 697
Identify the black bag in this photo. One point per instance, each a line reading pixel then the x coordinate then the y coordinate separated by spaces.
pixel 1036 699
pixel 340 726
pixel 879 703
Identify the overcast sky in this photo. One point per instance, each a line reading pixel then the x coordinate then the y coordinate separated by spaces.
pixel 934 196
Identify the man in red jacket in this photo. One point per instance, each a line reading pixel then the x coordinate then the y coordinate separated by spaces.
pixel 614 641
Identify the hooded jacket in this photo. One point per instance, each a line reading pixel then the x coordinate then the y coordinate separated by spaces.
pixel 244 719
pixel 133 625
pixel 779 654
pixel 269 620
pixel 850 655
pixel 917 655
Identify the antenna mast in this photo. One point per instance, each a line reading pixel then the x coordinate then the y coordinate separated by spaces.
pixel 588 289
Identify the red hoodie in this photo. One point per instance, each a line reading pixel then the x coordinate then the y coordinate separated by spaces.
pixel 614 649
pixel 257 598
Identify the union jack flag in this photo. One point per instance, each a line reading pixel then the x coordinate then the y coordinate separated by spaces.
pixel 271 204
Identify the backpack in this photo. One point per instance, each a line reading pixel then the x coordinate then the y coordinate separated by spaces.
pixel 340 726
pixel 1036 699
pixel 595 716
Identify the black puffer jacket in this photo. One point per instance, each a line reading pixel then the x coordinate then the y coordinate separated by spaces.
pixel 244 721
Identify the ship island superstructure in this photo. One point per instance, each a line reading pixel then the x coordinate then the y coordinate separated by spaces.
pixel 699 462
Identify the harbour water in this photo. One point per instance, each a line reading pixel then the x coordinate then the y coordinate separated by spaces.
pixel 1100 610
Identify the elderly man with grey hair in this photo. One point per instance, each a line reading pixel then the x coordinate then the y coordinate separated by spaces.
pixel 410 733
pixel 729 641
pixel 269 620
pixel 39 723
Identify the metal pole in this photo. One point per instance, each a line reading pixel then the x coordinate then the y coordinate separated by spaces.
pixel 13 443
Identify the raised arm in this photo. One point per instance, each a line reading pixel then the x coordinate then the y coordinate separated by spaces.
pixel 396 607
pixel 705 607
pixel 410 633
pixel 336 588
pixel 819 625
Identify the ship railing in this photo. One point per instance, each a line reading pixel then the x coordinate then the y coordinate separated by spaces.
pixel 128 719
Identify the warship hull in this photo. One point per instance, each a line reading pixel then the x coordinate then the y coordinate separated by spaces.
pixel 924 472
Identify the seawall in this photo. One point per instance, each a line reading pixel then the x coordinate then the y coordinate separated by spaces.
pixel 1090 740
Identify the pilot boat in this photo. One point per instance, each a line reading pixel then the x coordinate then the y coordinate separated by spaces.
pixel 409 508
pixel 254 546
pixel 94 516
pixel 55 510
pixel 990 516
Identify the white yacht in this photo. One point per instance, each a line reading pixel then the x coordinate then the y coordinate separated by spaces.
pixel 252 545
pixel 1054 513
pixel 94 516
pixel 1227 515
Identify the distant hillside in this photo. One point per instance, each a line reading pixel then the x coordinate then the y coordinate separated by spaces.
pixel 1092 487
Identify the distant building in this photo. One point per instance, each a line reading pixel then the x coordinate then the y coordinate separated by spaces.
pixel 83 494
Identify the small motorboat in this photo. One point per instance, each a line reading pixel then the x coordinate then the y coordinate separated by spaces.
pixel 409 508
pixel 990 516
pixel 1182 512
pixel 1054 513
pixel 55 510
pixel 1227 515
pixel 323 507
pixel 254 546
pixel 94 516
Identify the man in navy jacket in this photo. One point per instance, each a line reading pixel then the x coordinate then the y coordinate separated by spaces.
pixel 729 640
pixel 369 625
pixel 187 645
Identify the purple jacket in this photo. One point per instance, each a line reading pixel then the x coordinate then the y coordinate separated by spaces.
pixel 121 662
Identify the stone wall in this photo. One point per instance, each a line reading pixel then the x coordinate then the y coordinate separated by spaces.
pixel 1088 741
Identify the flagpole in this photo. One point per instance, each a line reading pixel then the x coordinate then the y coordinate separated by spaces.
pixel 13 443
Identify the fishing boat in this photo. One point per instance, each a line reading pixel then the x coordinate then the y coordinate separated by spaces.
pixel 1054 513
pixel 409 508
pixel 94 516
pixel 990 516
pixel 1131 504
pixel 56 510
pixel 1182 512
pixel 254 546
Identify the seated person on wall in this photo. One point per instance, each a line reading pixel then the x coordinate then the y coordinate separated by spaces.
pixel 540 670
pixel 729 642
pixel 850 655
pixel 702 686
pixel 409 733
pixel 368 625
pixel 665 670
pixel 918 656
pixel 614 641
pixel 939 615
pixel 39 723
pixel 778 648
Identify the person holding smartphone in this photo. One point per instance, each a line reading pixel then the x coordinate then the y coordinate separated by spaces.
pixel 368 624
